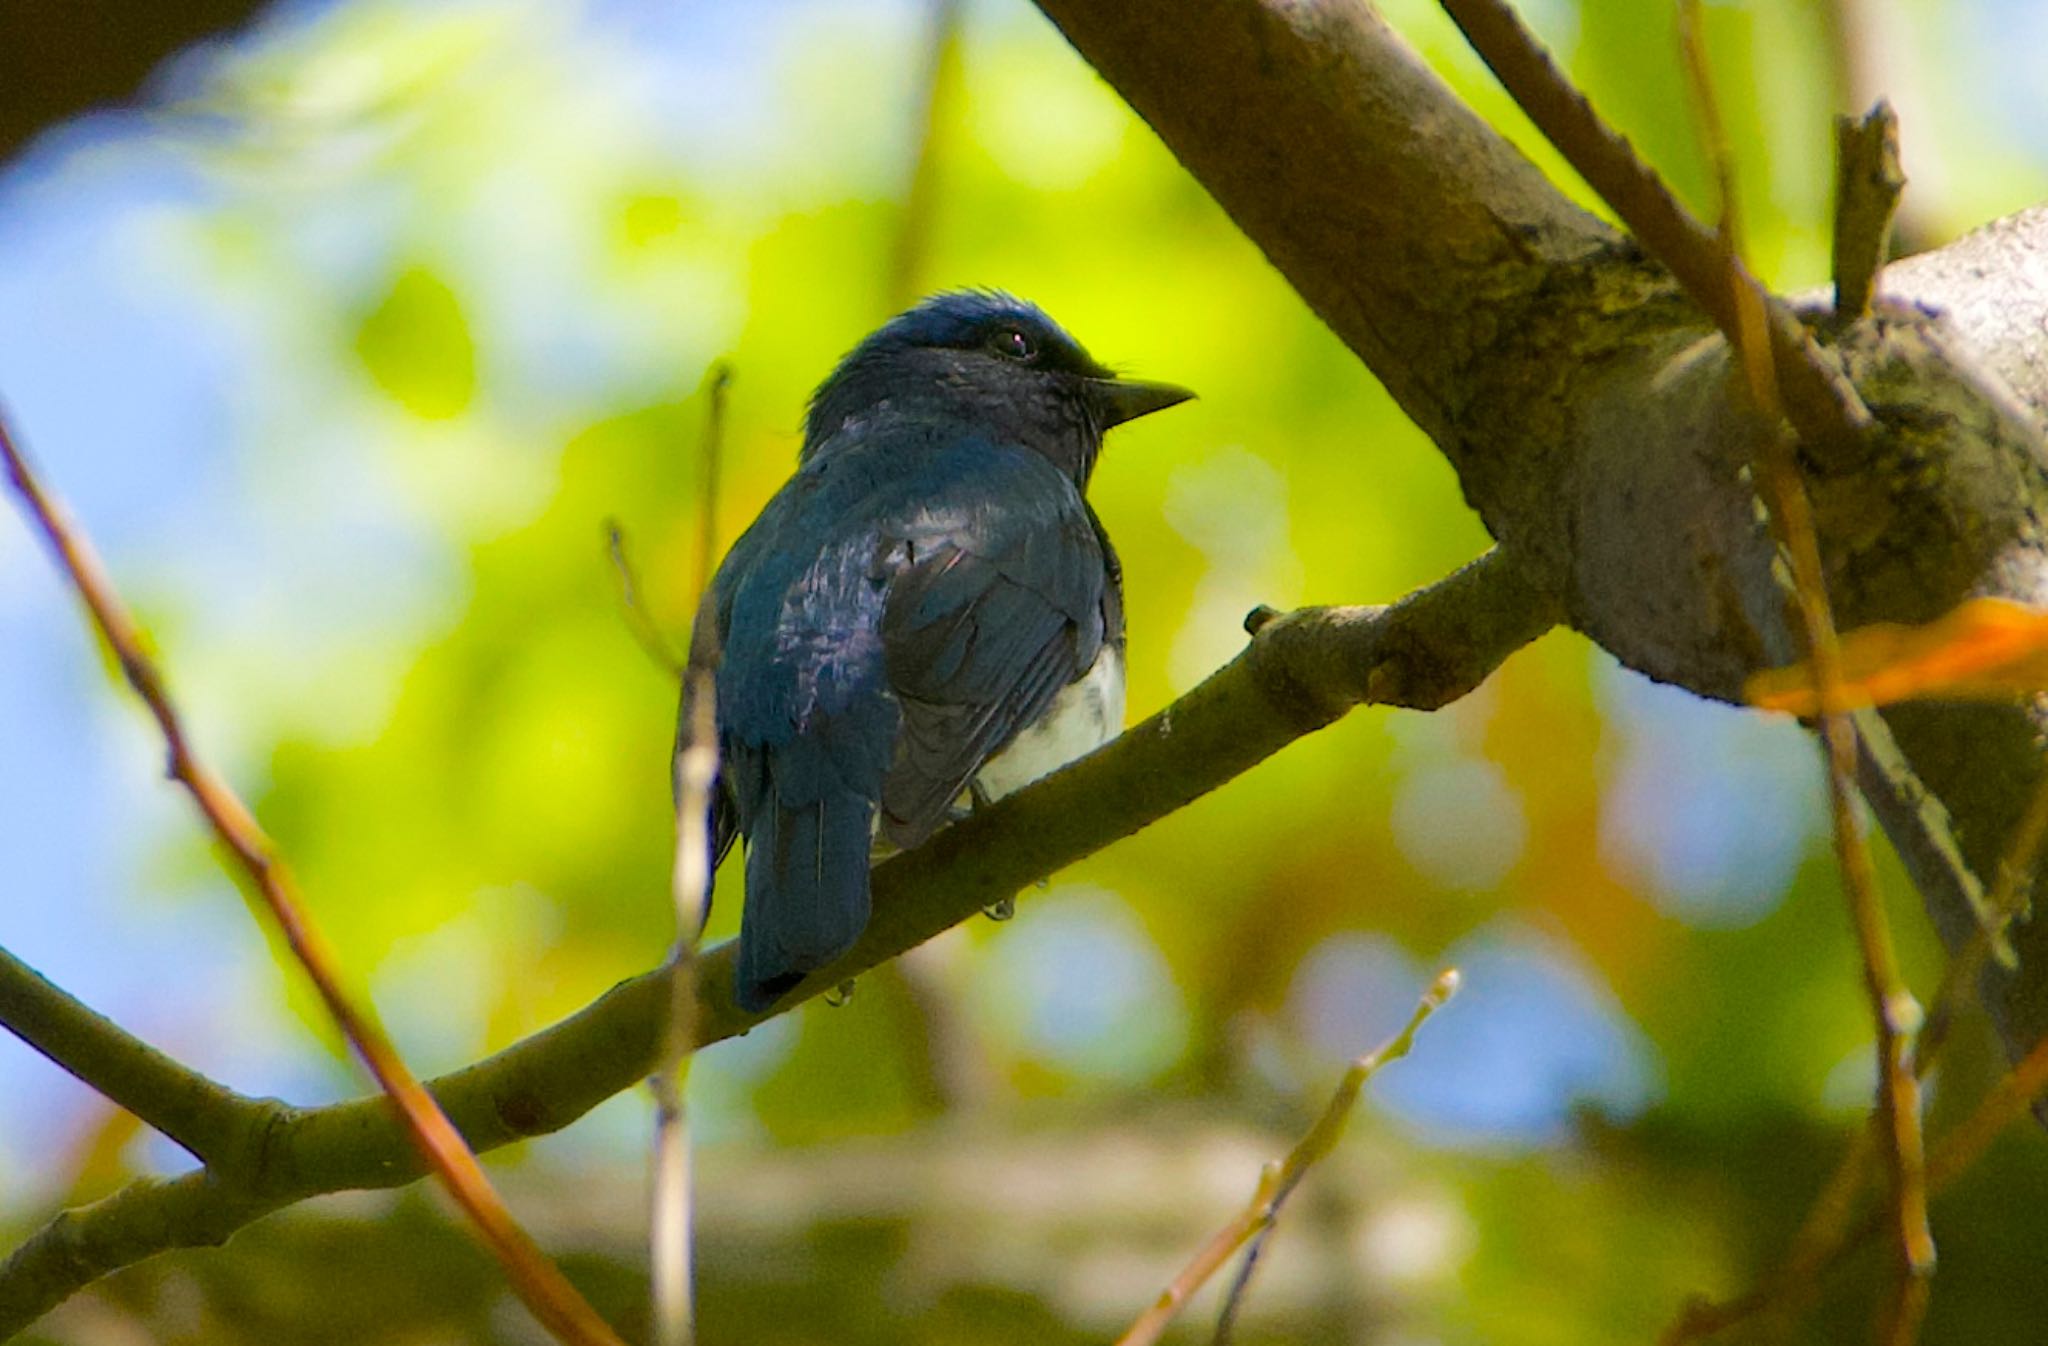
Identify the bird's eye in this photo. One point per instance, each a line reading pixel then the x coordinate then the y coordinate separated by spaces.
pixel 1014 344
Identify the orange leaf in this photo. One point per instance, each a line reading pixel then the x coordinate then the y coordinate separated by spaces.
pixel 1986 649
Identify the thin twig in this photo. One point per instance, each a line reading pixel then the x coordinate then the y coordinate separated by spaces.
pixel 202 1116
pixel 2011 896
pixel 1240 1284
pixel 2004 1105
pixel 1713 131
pixel 670 1255
pixel 1823 406
pixel 1279 1178
pixel 1954 1156
pixel 539 1283
pixel 669 1238
pixel 939 87
pixel 1826 1232
pixel 1301 672
pixel 1892 1009
pixel 1787 379
pixel 646 634
pixel 1868 185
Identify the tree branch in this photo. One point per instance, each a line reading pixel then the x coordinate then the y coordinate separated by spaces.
pixel 209 1120
pixel 1868 184
pixel 1819 402
pixel 1277 1181
pixel 64 59
pixel 1299 673
pixel 538 1282
pixel 1893 1012
pixel 1595 417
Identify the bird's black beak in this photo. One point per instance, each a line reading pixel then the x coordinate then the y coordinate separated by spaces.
pixel 1119 400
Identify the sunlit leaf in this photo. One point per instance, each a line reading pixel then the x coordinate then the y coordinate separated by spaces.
pixel 1987 648
pixel 417 346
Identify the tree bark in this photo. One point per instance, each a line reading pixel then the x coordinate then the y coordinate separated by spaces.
pixel 62 58
pixel 1592 413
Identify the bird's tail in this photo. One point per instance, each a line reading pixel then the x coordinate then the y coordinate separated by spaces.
pixel 807 893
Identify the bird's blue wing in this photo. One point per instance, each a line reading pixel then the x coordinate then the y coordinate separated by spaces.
pixel 806 723
pixel 893 618
pixel 996 602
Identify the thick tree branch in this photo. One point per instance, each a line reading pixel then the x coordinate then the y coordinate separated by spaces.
pixel 1595 417
pixel 1819 403
pixel 1300 672
pixel 1319 130
pixel 64 58
pixel 210 1120
pixel 538 1282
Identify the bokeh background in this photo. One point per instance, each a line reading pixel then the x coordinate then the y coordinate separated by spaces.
pixel 346 350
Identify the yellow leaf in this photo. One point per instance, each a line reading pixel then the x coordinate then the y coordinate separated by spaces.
pixel 416 344
pixel 1985 649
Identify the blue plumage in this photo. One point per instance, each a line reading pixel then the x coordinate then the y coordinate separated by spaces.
pixel 919 594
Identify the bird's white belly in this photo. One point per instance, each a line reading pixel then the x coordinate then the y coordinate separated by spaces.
pixel 1084 716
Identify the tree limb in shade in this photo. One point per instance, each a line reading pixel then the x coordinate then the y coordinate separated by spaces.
pixel 1301 672
pixel 539 1283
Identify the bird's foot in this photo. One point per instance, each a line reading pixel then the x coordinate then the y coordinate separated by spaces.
pixel 1002 909
pixel 972 800
pixel 840 994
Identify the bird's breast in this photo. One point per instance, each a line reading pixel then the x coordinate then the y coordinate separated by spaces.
pixel 1085 715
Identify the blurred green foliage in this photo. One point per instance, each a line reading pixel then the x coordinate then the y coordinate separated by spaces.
pixel 479 265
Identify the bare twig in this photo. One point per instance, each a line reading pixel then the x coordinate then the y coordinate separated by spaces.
pixel 1892 1009
pixel 1788 379
pixel 1823 407
pixel 1301 672
pixel 206 1118
pixel 670 1255
pixel 646 634
pixel 1955 1155
pixel 939 87
pixel 1868 184
pixel 539 1283
pixel 1826 1233
pixel 2003 1106
pixel 696 768
pixel 1707 108
pixel 2011 896
pixel 1280 1177
pixel 1240 1285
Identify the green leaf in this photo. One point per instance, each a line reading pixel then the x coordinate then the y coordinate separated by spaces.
pixel 417 346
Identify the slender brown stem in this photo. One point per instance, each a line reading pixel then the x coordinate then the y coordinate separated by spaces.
pixel 1892 1008
pixel 939 89
pixel 1824 408
pixel 2004 1105
pixel 1788 380
pixel 539 1283
pixel 646 634
pixel 1301 672
pixel 2010 896
pixel 669 1236
pixel 1954 1156
pixel 1279 1178
pixel 1868 185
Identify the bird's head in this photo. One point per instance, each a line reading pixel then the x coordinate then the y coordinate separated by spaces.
pixel 986 359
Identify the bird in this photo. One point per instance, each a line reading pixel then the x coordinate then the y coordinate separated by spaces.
pixel 927 616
